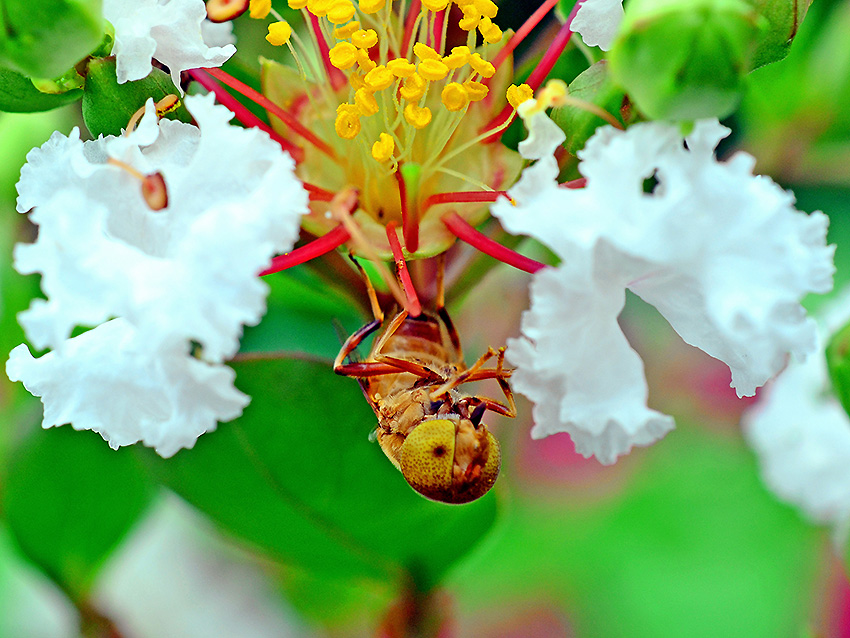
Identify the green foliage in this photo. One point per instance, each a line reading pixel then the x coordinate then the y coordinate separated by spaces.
pixel 296 477
pixel 595 87
pixel 838 363
pixel 108 106
pixel 19 95
pixel 69 500
pixel 783 18
pixel 46 38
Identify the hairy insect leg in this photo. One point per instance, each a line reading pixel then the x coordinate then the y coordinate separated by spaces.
pixel 352 342
pixel 377 313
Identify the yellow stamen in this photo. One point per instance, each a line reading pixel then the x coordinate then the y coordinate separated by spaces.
pixel 433 70
pixel 486 8
pixel 519 94
pixel 345 31
pixel 458 57
pixel 424 52
pixel 371 6
pixel 364 39
pixel 318 8
pixel 489 31
pixel 401 68
pixel 259 9
pixel 413 88
pixel 476 90
pixel 343 55
pixel 279 33
pixel 347 124
pixel 297 4
pixel 365 101
pixel 340 12
pixel 454 97
pixel 435 5
pixel 417 117
pixel 470 18
pixel 379 78
pixel 364 61
pixel 382 150
pixel 482 66
pixel 356 80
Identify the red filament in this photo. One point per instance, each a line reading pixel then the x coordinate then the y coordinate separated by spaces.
pixel 316 248
pixel 461 229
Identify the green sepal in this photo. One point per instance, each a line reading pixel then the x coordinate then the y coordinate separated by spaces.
pixel 594 86
pixel 19 95
pixel 838 364
pixel 44 39
pixel 108 106
pixel 685 60
pixel 784 18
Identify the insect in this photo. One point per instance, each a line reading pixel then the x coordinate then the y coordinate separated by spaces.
pixel 428 428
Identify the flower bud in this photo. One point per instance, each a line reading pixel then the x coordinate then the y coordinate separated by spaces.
pixel 686 59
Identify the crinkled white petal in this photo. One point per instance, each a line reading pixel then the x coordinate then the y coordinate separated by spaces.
pixel 182 276
pixel 801 435
pixel 597 21
pixel 217 34
pixel 575 364
pixel 544 136
pixel 722 254
pixel 110 381
pixel 167 30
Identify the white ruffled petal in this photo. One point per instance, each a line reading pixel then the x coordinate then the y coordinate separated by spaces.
pixel 597 21
pixel 110 381
pixel 575 364
pixel 167 30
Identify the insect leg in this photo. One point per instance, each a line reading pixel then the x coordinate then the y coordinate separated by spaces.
pixel 377 313
pixel 464 377
pixel 501 375
pixel 352 342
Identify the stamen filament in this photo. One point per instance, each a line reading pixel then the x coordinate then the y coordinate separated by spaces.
pixel 461 229
pixel 337 78
pixel 243 114
pixel 316 248
pixel 413 307
pixel 461 197
pixel 523 31
pixel 410 24
pixel 274 109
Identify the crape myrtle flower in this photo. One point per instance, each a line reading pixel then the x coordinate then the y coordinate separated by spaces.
pixel 721 253
pixel 597 22
pixel 167 30
pixel 801 433
pixel 166 288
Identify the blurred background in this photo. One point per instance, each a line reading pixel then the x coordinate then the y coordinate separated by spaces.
pixel 678 539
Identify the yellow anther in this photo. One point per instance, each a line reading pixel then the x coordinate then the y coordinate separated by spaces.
pixel 343 55
pixel 454 96
pixel 435 5
pixel 482 66
pixel 379 78
pixel 417 117
pixel 433 70
pixel 365 101
pixel 519 94
pixel 553 94
pixel 297 4
pixel 279 33
pixel 340 11
pixel 345 31
pixel 489 31
pixel 476 90
pixel 470 18
pixel 464 3
pixel 413 88
pixel 401 67
pixel 382 150
pixel 364 39
pixel 318 8
pixel 371 6
pixel 486 8
pixel 458 57
pixel 356 80
pixel 424 52
pixel 364 62
pixel 347 125
pixel 259 9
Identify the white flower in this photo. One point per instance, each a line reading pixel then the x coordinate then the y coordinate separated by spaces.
pixel 801 433
pixel 723 255
pixel 166 30
pixel 597 22
pixel 154 283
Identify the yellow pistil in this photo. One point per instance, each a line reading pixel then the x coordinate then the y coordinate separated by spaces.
pixel 279 33
pixel 259 9
pixel 382 150
pixel 417 117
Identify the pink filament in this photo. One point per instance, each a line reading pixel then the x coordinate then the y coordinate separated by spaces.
pixel 336 77
pixel 316 248
pixel 461 229
pixel 461 197
pixel 523 32
pixel 414 308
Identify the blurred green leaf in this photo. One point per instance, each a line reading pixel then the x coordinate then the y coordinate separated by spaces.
pixel 44 39
pixel 297 477
pixel 595 87
pixel 108 106
pixel 69 500
pixel 838 364
pixel 19 95
pixel 301 316
pixel 784 18
pixel 688 542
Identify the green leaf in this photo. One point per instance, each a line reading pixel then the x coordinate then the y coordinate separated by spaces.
pixel 297 477
pixel 69 500
pixel 108 106
pixel 784 18
pixel 44 39
pixel 595 87
pixel 19 95
pixel 838 363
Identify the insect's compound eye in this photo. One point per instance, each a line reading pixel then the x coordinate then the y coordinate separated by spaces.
pixel 428 463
